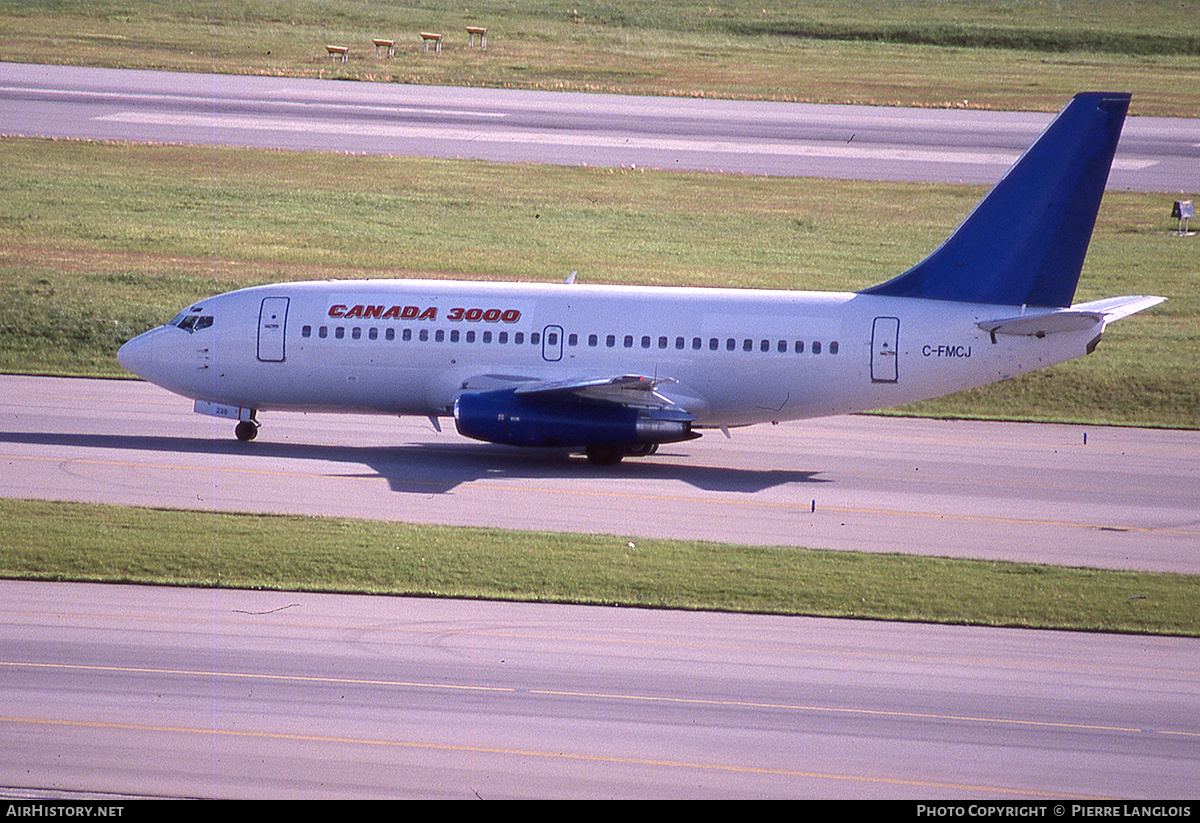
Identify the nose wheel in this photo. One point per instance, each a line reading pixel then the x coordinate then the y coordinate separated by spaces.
pixel 246 430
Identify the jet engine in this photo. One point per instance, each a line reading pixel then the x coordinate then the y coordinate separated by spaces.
pixel 608 430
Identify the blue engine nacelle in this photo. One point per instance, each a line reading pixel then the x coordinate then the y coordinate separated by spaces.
pixel 516 420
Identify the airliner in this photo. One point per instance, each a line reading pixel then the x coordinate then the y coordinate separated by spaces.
pixel 616 371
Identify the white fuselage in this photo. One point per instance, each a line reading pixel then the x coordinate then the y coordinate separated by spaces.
pixel 728 357
pixel 620 370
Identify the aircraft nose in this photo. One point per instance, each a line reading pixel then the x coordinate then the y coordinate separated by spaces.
pixel 138 355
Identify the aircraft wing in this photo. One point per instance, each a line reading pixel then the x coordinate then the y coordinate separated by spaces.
pixel 1077 318
pixel 631 390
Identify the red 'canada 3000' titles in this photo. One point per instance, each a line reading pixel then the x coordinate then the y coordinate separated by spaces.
pixel 431 313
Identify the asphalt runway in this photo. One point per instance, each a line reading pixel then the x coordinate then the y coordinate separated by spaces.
pixel 760 138
pixel 135 691
pixel 1126 498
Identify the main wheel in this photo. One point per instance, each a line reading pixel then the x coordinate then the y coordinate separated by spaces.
pixel 605 454
pixel 641 449
pixel 246 431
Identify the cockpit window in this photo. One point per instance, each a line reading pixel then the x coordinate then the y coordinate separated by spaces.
pixel 192 320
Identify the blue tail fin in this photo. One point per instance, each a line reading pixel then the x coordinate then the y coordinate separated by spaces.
pixel 1024 244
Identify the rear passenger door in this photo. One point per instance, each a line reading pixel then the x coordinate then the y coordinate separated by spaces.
pixel 885 350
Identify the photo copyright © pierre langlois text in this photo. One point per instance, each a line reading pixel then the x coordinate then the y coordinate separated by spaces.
pixel 1156 810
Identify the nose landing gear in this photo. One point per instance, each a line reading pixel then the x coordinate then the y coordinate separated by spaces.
pixel 246 430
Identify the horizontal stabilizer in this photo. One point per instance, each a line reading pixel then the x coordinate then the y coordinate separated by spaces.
pixel 1114 308
pixel 1077 318
pixel 1040 325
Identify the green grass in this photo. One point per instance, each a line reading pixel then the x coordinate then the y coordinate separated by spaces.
pixel 1022 54
pixel 75 541
pixel 100 241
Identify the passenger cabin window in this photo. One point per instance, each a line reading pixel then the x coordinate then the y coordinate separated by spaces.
pixel 194 320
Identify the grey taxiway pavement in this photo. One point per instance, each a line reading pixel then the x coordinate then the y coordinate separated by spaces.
pixel 1069 495
pixel 140 691
pixel 762 138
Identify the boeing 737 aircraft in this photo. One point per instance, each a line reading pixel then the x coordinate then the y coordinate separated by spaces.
pixel 616 371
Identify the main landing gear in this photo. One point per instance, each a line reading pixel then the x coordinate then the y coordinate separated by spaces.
pixel 609 454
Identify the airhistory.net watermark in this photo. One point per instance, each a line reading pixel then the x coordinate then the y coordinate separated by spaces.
pixel 61 810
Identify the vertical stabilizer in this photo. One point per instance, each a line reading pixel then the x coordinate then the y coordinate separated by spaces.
pixel 1024 244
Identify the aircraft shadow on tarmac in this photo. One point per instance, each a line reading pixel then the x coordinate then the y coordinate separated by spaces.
pixel 437 468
